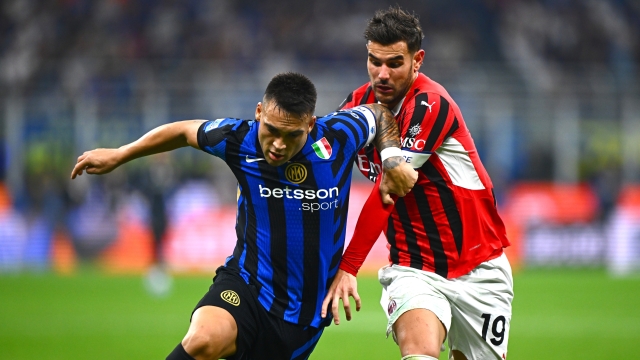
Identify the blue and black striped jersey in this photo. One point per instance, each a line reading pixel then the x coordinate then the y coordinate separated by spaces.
pixel 291 219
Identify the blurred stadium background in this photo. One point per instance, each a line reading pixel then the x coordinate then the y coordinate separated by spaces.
pixel 549 89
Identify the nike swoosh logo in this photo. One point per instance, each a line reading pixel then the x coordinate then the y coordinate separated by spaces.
pixel 250 160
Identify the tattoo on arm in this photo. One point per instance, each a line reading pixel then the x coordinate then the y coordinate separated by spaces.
pixel 387 134
pixel 392 162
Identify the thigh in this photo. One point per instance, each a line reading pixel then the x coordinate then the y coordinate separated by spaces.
pixel 230 294
pixel 481 311
pixel 282 340
pixel 405 289
pixel 419 331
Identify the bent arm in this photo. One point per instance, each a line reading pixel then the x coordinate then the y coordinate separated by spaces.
pixel 163 138
pixel 398 177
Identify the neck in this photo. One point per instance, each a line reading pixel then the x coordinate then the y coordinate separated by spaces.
pixel 395 103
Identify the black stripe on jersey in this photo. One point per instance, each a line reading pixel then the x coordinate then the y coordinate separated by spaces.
pixel 311 228
pixel 365 98
pixel 247 233
pixel 448 202
pixel 278 237
pixel 430 227
pixel 391 239
pixel 437 127
pixel 495 201
pixel 409 234
pixel 334 262
pixel 419 112
pixel 345 101
pixel 454 127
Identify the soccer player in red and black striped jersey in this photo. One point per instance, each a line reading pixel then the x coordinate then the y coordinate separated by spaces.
pixel 448 275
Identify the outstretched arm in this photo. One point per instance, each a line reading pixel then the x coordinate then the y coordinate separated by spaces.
pixel 398 177
pixel 367 231
pixel 163 138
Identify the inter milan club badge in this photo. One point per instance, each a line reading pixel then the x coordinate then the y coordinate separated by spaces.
pixel 231 297
pixel 392 307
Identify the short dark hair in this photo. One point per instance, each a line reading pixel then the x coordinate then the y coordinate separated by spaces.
pixel 293 93
pixel 390 26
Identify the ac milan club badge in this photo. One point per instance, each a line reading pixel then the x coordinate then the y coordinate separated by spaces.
pixel 392 307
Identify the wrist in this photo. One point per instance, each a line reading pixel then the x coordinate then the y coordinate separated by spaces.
pixel 347 267
pixel 391 151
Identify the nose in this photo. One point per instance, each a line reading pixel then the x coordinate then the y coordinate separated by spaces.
pixel 384 73
pixel 279 144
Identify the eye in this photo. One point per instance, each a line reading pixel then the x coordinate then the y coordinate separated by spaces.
pixel 273 131
pixel 395 65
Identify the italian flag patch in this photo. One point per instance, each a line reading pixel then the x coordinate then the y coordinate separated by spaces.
pixel 322 148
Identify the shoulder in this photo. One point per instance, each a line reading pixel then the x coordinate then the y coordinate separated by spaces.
pixel 227 125
pixel 427 99
pixel 358 114
pixel 358 96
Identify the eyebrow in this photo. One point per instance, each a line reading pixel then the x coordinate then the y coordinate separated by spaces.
pixel 293 133
pixel 398 57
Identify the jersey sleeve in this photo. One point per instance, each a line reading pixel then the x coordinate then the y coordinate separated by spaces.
pixel 359 124
pixel 371 222
pixel 213 135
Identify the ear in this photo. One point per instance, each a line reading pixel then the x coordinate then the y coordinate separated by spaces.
pixel 418 58
pixel 312 122
pixel 258 111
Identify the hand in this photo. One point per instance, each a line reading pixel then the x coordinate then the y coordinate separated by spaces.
pixel 398 177
pixel 98 161
pixel 343 286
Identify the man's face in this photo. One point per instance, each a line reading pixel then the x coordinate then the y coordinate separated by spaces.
pixel 392 69
pixel 281 135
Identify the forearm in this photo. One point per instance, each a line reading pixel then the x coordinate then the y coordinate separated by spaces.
pixel 163 138
pixel 387 134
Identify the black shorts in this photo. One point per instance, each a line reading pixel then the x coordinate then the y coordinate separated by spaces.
pixel 260 334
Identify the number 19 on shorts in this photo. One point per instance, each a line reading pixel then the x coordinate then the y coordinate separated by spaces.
pixel 497 324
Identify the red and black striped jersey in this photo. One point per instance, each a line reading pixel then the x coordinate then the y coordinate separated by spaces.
pixel 448 224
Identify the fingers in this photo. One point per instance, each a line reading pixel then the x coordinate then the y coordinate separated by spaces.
pixel 347 307
pixel 334 309
pixel 77 170
pixel 325 304
pixel 387 200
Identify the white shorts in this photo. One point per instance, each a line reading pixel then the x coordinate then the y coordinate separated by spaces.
pixel 474 308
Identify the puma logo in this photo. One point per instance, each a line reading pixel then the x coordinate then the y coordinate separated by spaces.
pixel 427 105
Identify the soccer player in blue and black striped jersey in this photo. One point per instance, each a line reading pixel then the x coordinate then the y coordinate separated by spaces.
pixel 294 175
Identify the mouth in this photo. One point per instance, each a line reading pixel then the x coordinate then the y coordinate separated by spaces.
pixel 275 157
pixel 384 89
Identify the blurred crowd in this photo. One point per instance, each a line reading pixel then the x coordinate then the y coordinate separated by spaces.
pixel 71 44
pixel 75 74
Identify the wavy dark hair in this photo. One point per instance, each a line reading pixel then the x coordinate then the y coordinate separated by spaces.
pixel 392 25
